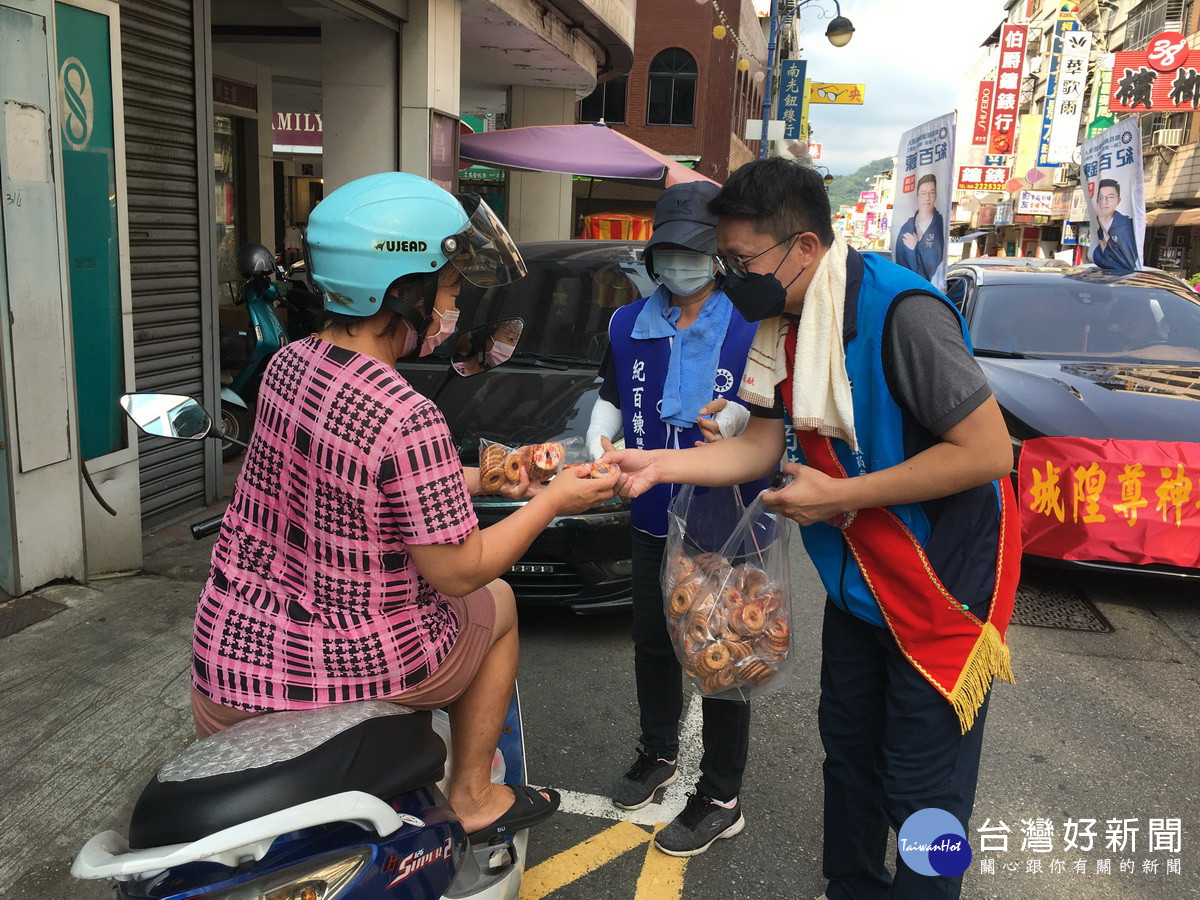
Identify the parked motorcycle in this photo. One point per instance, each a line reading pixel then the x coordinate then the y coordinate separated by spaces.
pixel 346 801
pixel 251 349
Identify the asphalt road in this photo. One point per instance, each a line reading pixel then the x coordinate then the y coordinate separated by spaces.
pixel 1098 726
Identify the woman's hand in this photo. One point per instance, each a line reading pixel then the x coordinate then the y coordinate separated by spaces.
pixel 523 489
pixel 721 419
pixel 572 491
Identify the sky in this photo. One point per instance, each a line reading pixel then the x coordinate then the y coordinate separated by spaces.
pixel 912 55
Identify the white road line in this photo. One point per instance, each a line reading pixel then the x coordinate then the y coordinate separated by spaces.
pixel 674 797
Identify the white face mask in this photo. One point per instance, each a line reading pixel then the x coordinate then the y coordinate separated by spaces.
pixel 446 327
pixel 682 272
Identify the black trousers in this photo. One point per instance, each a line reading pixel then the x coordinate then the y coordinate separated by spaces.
pixel 726 730
pixel 892 746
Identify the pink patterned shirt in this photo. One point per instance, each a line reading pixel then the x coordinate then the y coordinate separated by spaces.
pixel 312 598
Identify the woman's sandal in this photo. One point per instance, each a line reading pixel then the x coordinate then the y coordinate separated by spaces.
pixel 528 808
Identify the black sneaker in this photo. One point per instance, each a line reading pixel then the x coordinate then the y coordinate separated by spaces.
pixel 701 822
pixel 637 786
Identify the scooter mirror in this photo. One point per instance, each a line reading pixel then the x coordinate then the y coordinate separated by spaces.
pixel 486 347
pixel 168 415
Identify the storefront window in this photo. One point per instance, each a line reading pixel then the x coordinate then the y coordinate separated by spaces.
pixel 229 201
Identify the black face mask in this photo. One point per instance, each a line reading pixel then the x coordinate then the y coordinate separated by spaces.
pixel 754 295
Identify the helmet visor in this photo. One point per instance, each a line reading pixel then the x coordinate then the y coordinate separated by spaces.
pixel 485 254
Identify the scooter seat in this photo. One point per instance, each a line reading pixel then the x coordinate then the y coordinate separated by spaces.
pixel 275 761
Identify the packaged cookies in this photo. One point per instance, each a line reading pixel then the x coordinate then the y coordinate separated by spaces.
pixel 501 465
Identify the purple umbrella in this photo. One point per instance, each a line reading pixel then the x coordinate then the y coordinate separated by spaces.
pixel 594 150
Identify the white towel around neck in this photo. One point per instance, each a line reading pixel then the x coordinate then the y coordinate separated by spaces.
pixel 821 396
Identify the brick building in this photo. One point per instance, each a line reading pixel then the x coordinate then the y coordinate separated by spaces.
pixel 685 95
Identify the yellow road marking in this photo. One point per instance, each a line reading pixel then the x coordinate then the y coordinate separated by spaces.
pixel 662 875
pixel 572 864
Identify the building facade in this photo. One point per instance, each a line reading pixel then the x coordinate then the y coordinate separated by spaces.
pixel 137 155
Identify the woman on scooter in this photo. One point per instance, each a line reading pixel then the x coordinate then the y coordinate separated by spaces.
pixel 350 564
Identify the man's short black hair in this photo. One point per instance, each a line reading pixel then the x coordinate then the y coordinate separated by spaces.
pixel 781 197
pixel 1109 182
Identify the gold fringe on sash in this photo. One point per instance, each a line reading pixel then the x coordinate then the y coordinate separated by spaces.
pixel 989 659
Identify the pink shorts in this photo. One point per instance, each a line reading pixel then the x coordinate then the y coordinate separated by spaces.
pixel 476 612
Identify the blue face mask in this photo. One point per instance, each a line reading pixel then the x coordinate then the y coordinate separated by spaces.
pixel 682 272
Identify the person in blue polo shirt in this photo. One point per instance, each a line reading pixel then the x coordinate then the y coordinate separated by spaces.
pixel 670 380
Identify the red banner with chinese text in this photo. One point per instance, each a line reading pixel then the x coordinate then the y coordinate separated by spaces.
pixel 1113 500
pixel 1006 99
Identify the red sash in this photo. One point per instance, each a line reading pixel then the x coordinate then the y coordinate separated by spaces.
pixel 955 651
pixel 952 648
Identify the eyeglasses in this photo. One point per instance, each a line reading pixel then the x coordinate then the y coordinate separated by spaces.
pixel 731 262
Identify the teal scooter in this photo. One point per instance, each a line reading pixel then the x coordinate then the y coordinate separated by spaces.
pixel 260 294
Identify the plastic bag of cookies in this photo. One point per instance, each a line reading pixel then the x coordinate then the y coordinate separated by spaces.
pixel 500 464
pixel 728 611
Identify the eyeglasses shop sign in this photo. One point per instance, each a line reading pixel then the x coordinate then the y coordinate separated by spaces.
pixel 1035 203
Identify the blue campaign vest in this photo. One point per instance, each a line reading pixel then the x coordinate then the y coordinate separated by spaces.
pixel 879 427
pixel 641 370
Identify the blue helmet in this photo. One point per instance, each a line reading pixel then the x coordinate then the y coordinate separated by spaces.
pixel 373 230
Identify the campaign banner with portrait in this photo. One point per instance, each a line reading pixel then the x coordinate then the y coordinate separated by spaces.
pixel 921 203
pixel 1116 198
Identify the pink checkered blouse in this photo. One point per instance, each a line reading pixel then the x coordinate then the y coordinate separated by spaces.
pixel 312 598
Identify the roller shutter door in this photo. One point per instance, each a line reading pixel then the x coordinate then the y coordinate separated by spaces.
pixel 168 252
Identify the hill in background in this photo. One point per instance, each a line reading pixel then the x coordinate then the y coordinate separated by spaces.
pixel 846 188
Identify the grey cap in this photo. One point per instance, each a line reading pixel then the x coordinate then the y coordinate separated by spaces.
pixel 681 217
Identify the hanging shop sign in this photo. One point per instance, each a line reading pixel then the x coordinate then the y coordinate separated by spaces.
pixel 1002 130
pixel 1158 78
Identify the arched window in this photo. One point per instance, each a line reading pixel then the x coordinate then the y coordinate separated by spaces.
pixel 672 98
pixel 606 102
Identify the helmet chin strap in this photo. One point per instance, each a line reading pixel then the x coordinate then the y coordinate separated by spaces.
pixel 418 322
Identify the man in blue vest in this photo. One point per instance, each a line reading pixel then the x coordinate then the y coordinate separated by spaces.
pixel 670 380
pixel 860 371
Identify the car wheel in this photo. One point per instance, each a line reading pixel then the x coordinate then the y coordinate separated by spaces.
pixel 237 423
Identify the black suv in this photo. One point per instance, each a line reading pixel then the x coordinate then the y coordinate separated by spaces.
pixel 545 392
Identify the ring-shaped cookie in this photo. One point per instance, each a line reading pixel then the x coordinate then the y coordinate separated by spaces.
pixel 715 658
pixel 682 598
pixel 748 620
pixel 512 467
pixel 492 480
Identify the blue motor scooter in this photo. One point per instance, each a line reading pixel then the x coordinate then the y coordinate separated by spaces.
pixel 341 803
pixel 260 294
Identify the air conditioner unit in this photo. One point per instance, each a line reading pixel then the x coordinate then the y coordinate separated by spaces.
pixel 1167 137
pixel 1063 176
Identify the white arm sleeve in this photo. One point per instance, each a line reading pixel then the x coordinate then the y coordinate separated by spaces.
pixel 606 421
pixel 731 420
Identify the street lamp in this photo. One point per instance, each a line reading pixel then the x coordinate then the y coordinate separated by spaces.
pixel 838 33
pixel 828 179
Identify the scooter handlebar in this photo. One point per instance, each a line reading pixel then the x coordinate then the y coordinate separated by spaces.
pixel 205 527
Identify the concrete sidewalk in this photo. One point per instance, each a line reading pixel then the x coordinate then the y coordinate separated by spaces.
pixel 92 700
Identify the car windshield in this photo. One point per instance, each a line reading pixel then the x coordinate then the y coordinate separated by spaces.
pixel 1075 317
pixel 566 300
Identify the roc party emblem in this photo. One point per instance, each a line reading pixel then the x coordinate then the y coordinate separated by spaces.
pixel 933 842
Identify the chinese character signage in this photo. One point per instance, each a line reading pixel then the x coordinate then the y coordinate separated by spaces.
pixel 1115 500
pixel 1063 112
pixel 844 94
pixel 814 149
pixel 921 207
pixel 1002 131
pixel 983 113
pixel 1034 203
pixel 791 97
pixel 1158 78
pixel 1115 190
pixel 983 178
